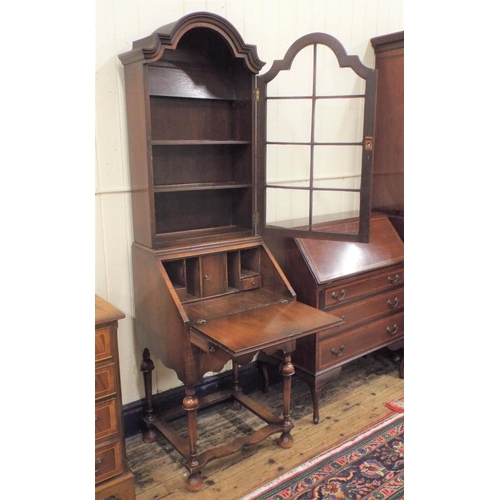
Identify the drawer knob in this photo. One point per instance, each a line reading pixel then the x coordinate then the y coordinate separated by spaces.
pixel 394 303
pixel 207 277
pixel 338 354
pixel 393 330
pixel 98 462
pixel 394 279
pixel 342 295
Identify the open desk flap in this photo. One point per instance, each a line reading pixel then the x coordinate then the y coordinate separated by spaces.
pixel 250 331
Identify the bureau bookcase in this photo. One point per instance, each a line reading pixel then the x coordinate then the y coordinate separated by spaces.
pixel 207 289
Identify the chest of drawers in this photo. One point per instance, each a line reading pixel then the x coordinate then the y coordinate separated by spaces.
pixel 112 478
pixel 361 283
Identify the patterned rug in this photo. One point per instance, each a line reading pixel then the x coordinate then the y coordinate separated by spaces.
pixel 370 466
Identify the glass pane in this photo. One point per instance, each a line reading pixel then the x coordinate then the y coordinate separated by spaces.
pixel 288 165
pixel 287 208
pixel 335 205
pixel 337 167
pixel 339 120
pixel 297 81
pixel 332 80
pixel 289 120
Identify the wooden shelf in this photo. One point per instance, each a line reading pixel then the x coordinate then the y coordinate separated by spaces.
pixel 199 187
pixel 194 142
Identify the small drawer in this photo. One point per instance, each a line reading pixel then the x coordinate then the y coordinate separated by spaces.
pixel 103 346
pixel 105 381
pixel 105 419
pixel 250 282
pixel 338 349
pixel 364 310
pixel 347 290
pixel 108 461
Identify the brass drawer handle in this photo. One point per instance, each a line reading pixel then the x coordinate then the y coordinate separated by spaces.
pixel 390 279
pixel 207 277
pixel 343 321
pixel 98 462
pixel 342 295
pixel 338 354
pixel 390 303
pixel 393 330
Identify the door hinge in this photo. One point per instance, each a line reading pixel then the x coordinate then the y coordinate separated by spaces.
pixel 256 94
pixel 256 218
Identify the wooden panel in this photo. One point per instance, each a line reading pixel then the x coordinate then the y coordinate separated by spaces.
pixel 105 381
pixel 105 312
pixel 108 461
pixel 105 419
pixel 360 341
pixel 329 260
pixel 121 487
pixel 103 347
pixel 247 331
pixel 214 274
pixel 368 309
pixel 345 291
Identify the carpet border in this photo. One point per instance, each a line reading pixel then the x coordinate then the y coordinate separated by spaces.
pixel 354 438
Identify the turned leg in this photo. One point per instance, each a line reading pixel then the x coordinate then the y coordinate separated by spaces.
pixel 235 404
pixel 263 366
pixel 147 367
pixel 286 371
pixel 191 404
pixel 315 401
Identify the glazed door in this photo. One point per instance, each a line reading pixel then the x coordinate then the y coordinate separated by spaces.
pixel 316 112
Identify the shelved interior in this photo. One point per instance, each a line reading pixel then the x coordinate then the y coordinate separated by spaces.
pixel 212 275
pixel 200 107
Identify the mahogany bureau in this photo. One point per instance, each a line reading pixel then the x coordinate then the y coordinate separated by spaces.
pixel 363 284
pixel 112 478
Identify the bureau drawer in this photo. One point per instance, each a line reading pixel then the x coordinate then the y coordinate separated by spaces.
pixel 103 346
pixel 105 381
pixel 364 310
pixel 108 461
pixel 105 419
pixel 371 283
pixel 360 341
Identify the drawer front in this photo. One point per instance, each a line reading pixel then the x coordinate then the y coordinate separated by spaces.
pixel 355 342
pixel 346 291
pixel 105 381
pixel 365 310
pixel 108 461
pixel 105 419
pixel 250 283
pixel 103 346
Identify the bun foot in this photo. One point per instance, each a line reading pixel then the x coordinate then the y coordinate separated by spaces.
pixel 194 482
pixel 286 440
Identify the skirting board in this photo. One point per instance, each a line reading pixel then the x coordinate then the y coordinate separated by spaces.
pixel 250 379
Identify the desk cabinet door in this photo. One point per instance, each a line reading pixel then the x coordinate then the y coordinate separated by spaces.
pixel 214 274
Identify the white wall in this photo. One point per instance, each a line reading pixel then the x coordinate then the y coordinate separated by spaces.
pixel 271 25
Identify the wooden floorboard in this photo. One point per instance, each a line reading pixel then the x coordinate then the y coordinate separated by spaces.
pixel 354 400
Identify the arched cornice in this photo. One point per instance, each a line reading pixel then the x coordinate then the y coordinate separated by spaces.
pixel 151 48
pixel 330 41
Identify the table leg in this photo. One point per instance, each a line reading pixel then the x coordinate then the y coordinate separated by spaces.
pixel 286 371
pixel 235 404
pixel 191 404
pixel 147 367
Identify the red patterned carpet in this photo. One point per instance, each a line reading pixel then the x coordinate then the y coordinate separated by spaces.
pixel 369 466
